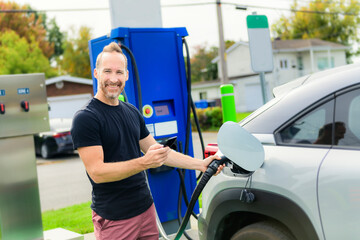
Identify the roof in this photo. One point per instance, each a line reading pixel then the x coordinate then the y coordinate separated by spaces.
pixel 67 78
pixel 294 45
pixel 305 45
pixel 230 49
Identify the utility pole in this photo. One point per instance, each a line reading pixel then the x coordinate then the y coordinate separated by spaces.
pixel 224 78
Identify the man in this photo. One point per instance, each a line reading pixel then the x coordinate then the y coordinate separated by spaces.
pixel 110 136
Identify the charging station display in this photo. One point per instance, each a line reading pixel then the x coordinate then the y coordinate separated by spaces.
pixel 160 61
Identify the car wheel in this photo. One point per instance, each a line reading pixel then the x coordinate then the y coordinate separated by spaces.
pixel 262 231
pixel 45 152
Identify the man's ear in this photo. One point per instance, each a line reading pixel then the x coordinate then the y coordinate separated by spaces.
pixel 95 73
pixel 127 75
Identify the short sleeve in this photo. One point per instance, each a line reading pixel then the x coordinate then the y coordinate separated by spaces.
pixel 85 130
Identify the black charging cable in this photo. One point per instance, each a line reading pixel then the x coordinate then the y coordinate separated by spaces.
pixel 210 171
pixel 136 72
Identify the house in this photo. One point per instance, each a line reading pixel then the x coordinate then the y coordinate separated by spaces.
pixel 292 59
pixel 66 95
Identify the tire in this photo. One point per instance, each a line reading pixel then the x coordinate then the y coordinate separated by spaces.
pixel 263 231
pixel 45 151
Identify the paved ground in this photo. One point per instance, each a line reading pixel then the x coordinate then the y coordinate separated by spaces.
pixel 63 181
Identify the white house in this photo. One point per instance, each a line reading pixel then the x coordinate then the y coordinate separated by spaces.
pixel 292 59
pixel 66 95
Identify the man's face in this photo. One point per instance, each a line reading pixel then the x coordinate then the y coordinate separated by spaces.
pixel 111 75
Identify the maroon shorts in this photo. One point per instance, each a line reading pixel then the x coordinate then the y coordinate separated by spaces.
pixel 142 226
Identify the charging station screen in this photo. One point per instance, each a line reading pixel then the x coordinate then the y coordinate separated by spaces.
pixel 161 110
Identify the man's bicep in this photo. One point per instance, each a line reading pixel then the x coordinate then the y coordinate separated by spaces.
pixel 91 157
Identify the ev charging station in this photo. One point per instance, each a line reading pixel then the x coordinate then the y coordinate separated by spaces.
pixel 158 53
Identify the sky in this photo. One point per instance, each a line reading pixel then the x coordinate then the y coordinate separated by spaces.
pixel 199 20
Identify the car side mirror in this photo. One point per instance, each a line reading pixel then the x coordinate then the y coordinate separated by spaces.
pixel 241 147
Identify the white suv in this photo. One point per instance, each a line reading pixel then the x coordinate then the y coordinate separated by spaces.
pixel 309 185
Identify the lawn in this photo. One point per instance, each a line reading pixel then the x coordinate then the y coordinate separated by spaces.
pixel 76 218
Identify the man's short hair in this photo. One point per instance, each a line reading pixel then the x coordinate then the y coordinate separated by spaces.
pixel 112 47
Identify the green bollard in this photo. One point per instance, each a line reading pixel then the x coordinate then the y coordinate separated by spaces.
pixel 228 102
pixel 121 98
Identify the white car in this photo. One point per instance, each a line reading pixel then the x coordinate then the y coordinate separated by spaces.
pixel 308 187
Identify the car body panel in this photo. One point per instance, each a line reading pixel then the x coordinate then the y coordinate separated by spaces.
pixel 320 182
pixel 339 194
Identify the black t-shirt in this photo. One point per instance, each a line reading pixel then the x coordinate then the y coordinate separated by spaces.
pixel 118 130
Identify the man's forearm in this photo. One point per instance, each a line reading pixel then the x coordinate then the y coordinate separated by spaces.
pixel 176 159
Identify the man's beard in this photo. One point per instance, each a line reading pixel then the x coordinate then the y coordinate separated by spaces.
pixel 111 95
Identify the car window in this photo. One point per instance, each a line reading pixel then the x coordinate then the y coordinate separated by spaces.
pixel 313 128
pixel 347 112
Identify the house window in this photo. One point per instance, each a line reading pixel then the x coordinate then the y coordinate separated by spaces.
pixel 203 95
pixel 323 63
pixel 284 64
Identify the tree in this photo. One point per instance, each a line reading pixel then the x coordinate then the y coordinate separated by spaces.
pixel 27 25
pixel 18 56
pixel 201 67
pixel 329 20
pixel 76 60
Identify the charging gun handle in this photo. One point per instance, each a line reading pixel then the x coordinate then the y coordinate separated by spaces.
pixel 213 166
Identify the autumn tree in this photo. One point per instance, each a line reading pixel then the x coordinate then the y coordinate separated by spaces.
pixel 25 24
pixel 202 69
pixel 76 60
pixel 329 20
pixel 18 55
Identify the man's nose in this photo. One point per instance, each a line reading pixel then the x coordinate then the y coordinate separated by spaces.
pixel 113 78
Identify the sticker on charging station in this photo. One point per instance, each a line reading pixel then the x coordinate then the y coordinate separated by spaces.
pixel 2 92
pixel 22 91
pixel 147 111
pixel 166 128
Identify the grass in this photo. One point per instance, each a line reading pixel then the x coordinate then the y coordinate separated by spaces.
pixel 76 218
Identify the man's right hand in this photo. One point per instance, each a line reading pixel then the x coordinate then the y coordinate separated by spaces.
pixel 155 156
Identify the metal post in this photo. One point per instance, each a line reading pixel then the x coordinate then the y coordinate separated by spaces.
pixel 263 87
pixel 224 78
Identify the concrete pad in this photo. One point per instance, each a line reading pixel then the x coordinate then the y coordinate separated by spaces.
pixel 62 234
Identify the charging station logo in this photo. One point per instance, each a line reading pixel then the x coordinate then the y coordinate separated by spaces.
pixel 148 111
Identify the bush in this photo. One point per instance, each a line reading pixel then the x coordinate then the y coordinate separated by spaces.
pixel 209 118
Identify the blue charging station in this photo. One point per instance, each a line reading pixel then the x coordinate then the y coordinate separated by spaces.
pixel 160 61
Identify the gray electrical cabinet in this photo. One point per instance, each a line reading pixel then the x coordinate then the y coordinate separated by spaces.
pixel 23 112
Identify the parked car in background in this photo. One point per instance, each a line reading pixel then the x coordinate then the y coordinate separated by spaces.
pixel 57 140
pixel 308 187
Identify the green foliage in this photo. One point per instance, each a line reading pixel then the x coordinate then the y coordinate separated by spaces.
pixel 18 56
pixel 31 26
pixel 209 118
pixel 340 27
pixel 75 218
pixel 55 37
pixel 76 60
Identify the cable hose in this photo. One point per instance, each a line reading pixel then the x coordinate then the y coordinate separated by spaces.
pixel 205 178
pixel 179 213
pixel 183 189
pixel 191 102
pixel 188 86
pixel 136 72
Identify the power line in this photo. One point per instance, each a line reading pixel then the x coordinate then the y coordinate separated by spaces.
pixel 180 5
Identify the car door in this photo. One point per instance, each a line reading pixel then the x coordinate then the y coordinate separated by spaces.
pixel 339 174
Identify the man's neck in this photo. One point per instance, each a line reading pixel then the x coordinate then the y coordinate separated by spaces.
pixel 111 102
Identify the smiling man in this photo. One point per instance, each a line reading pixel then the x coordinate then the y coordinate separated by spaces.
pixel 110 136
